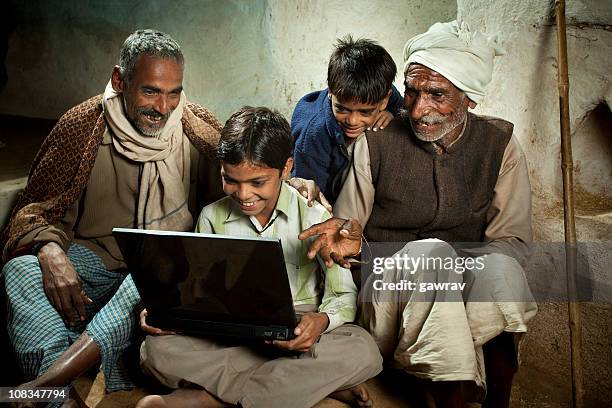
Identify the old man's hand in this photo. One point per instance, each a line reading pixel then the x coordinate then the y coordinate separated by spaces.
pixel 62 284
pixel 382 120
pixel 337 239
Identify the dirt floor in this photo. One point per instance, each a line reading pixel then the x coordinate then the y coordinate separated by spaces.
pixel 91 391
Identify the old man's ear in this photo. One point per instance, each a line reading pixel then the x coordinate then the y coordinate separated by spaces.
pixel 117 79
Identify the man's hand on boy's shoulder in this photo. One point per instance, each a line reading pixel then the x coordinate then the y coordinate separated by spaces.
pixel 310 191
pixel 381 122
pixel 307 333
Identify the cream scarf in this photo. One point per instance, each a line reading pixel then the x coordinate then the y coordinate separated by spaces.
pixel 164 183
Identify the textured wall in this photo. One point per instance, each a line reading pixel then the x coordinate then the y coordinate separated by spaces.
pixel 524 87
pixel 302 34
pixel 525 91
pixel 258 52
pixel 63 51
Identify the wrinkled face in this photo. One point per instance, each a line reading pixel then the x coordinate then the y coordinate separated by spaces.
pixel 355 117
pixel 254 187
pixel 153 92
pixel 435 107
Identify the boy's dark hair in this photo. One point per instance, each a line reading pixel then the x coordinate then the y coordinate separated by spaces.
pixel 360 70
pixel 259 135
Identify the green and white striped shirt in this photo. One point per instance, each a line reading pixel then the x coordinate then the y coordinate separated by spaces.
pixel 337 296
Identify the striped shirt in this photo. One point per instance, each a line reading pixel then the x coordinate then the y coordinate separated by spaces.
pixel 312 283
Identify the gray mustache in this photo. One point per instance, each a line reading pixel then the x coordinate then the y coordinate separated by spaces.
pixel 431 119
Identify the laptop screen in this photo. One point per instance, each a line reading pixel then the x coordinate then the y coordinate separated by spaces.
pixel 209 277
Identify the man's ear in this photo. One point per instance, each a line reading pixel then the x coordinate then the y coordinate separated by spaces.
pixel 471 104
pixel 383 104
pixel 117 80
pixel 286 173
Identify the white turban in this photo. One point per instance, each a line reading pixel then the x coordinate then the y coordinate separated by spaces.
pixel 464 58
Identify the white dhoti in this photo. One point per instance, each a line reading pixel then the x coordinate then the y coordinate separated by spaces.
pixel 436 329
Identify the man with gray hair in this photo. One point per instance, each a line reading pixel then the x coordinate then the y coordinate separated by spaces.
pixel 138 156
pixel 455 186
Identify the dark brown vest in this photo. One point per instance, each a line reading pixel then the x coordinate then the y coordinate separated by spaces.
pixel 422 195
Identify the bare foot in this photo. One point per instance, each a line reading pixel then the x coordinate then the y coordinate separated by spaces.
pixel 358 396
pixel 182 398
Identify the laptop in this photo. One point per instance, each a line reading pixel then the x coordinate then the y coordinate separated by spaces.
pixel 209 284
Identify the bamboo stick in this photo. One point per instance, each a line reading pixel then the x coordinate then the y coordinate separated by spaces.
pixel 567 169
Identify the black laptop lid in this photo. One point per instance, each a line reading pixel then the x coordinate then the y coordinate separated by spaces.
pixel 209 277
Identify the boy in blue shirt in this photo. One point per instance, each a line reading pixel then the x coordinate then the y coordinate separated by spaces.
pixel 255 153
pixel 360 97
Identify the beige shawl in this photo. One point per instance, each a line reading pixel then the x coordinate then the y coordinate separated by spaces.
pixel 164 183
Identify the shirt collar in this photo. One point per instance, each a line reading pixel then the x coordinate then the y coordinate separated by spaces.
pixel 284 199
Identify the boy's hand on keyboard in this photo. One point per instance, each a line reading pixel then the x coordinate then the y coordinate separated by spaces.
pixel 307 333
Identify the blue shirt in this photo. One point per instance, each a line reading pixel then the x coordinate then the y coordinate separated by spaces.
pixel 319 151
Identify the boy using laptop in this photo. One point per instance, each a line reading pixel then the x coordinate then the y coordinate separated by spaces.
pixel 360 96
pixel 255 154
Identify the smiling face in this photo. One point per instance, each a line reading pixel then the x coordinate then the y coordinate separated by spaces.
pixel 355 117
pixel 152 93
pixel 254 187
pixel 436 108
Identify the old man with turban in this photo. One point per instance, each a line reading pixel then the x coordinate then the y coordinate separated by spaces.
pixel 449 306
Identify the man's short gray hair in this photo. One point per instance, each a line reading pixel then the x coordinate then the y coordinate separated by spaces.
pixel 147 42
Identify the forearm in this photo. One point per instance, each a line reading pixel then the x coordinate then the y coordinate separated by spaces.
pixel 339 298
pixel 41 235
pixel 339 311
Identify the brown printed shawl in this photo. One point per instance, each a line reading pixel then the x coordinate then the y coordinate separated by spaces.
pixel 62 166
